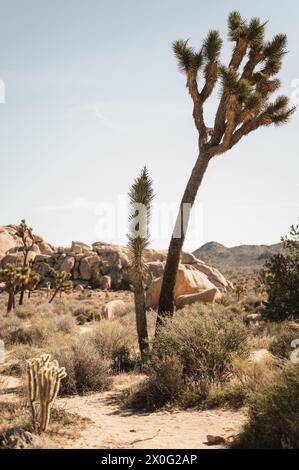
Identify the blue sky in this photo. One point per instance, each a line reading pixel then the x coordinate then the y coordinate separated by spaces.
pixel 93 94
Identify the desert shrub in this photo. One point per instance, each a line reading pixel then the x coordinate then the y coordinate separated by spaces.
pixel 96 280
pixel 24 311
pixel 87 370
pixel 65 324
pixel 116 342
pixel 125 281
pixel 273 414
pixel 202 342
pixel 280 345
pixel 223 300
pixel 165 384
pixel 280 278
pixel 86 313
pixel 232 395
pixel 205 341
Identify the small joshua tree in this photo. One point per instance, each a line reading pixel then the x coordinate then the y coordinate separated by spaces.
pixel 11 276
pixel 29 280
pixel 16 279
pixel 141 196
pixel 244 106
pixel 25 234
pixel 62 283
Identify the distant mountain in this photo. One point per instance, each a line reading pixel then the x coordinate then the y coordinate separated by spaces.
pixel 238 256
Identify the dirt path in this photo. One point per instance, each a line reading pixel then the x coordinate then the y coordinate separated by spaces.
pixel 111 427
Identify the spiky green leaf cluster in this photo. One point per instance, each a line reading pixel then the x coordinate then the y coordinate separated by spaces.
pixel 236 25
pixel 188 59
pixel 231 82
pixel 212 46
pixel 140 198
pixel 276 48
pixel 279 111
pixel 255 32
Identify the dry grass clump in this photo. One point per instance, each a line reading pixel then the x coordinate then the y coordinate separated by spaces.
pixel 191 353
pixel 15 420
pixel 273 414
pixel 116 342
pixel 87 371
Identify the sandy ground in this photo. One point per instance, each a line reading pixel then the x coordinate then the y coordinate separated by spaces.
pixel 109 426
pixel 112 427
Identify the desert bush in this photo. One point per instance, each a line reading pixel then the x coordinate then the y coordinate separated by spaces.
pixel 125 281
pixel 223 300
pixel 202 342
pixel 231 395
pixel 87 370
pixel 273 414
pixel 165 384
pixel 280 278
pixel 86 313
pixel 96 280
pixel 280 345
pixel 116 342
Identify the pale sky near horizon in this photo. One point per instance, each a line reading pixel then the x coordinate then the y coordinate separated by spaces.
pixel 93 93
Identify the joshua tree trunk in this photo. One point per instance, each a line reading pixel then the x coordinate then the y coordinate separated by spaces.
pixel 141 322
pixel 11 302
pixel 53 296
pixel 21 299
pixel 166 303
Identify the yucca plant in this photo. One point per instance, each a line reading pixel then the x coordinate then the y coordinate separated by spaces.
pixel 140 197
pixel 244 106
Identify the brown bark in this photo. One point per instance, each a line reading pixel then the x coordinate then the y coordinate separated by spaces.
pixel 166 303
pixel 141 322
pixel 11 302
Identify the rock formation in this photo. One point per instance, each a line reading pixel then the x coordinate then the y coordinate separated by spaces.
pixel 107 262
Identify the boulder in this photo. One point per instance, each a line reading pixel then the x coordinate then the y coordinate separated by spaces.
pixel 67 264
pixel 106 282
pixel 207 296
pixel 19 438
pixel 80 247
pixel 114 308
pixel 187 282
pixel 87 265
pixel 213 275
pixel 155 268
pixel 188 258
pixel 112 257
pixel 8 240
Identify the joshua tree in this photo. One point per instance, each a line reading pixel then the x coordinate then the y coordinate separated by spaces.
pixel 26 236
pixel 10 275
pixel 18 278
pixel 244 107
pixel 29 279
pixel 62 283
pixel 141 196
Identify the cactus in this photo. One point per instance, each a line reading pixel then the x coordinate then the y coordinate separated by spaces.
pixel 44 376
